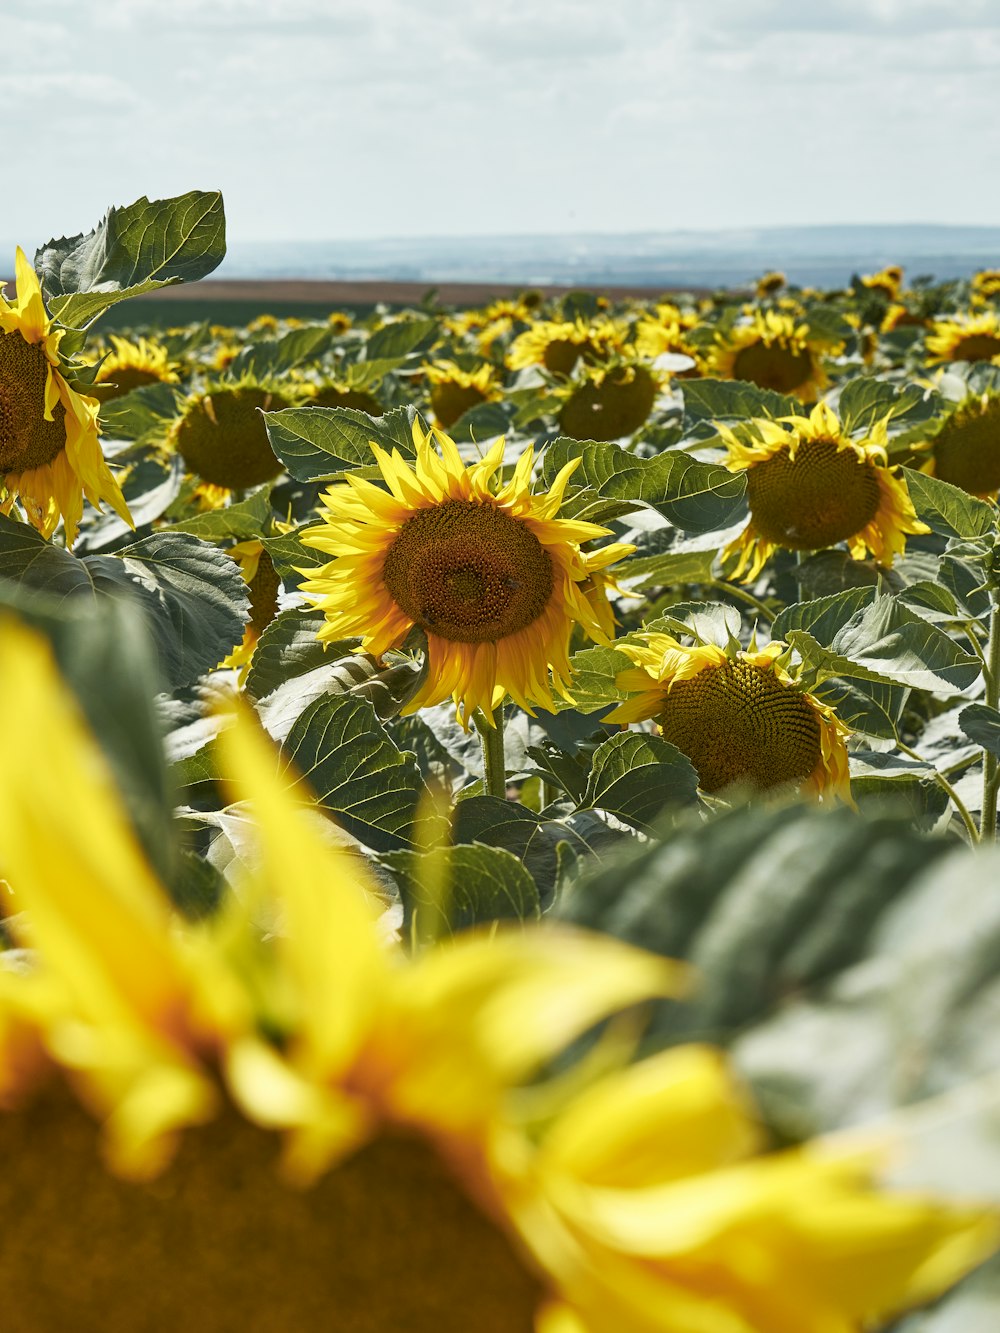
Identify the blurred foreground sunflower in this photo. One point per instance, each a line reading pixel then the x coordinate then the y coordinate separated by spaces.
pixel 739 716
pixel 440 1184
pixel 50 453
pixel 810 485
pixel 969 337
pixel 131 365
pixel 487 570
pixel 965 450
pixel 774 351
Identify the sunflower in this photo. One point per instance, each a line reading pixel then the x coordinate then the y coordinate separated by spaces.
pixel 986 284
pixel 264 586
pixel 965 338
pixel 487 571
pixel 130 365
pixel 655 337
pixel 221 435
pixel 453 391
pixel 965 450
pixel 740 717
pixel 900 317
pixel 769 283
pixel 611 401
pixel 775 352
pixel 438 1184
pixel 559 344
pixel 809 485
pixel 885 283
pixel 50 453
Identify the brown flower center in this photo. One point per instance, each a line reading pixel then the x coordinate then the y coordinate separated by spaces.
pixel 451 400
pixel 976 347
pixel 125 379
pixel 967 451
pixel 774 367
pixel 386 1241
pixel 466 571
pixel 263 588
pixel 738 723
pixel 616 407
pixel 27 440
pixel 821 496
pixel 356 398
pixel 222 437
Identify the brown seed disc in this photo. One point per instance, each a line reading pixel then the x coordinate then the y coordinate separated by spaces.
pixel 467 571
pixel 356 398
pixel 775 367
pixel 27 440
pixel 610 410
pixel 822 496
pixel 738 723
pixel 976 347
pixel 967 451
pixel 222 437
pixel 449 401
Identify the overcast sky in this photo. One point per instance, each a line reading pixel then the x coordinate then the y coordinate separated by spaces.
pixel 333 119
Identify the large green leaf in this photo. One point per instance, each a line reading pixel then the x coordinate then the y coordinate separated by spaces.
pixel 450 889
pixel 193 596
pixel 144 410
pixel 236 522
pixel 395 341
pixel 697 497
pixel 864 401
pixel 289 647
pixel 277 356
pixel 947 509
pixel 636 777
pixel 982 724
pixel 733 401
pixel 149 244
pixel 345 754
pixel 320 443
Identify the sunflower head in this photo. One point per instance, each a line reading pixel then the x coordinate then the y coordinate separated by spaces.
pixel 50 453
pixel 986 284
pixel 486 569
pixel 774 351
pixel 966 449
pixel 810 485
pixel 453 391
pixel 739 716
pixel 130 365
pixel 886 283
pixel 901 317
pixel 221 435
pixel 769 283
pixel 558 345
pixel 971 337
pixel 610 402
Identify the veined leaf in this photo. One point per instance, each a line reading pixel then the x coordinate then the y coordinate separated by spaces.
pixel 636 777
pixel 320 443
pixel 947 509
pixel 449 889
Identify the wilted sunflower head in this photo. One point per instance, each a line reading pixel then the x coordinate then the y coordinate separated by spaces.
pixel 611 401
pixel 50 453
pixel 774 351
pixel 559 344
pixel 968 337
pixel 885 283
pixel 810 485
pixel 408 1098
pixel 739 716
pixel 489 572
pixel 221 435
pixel 130 365
pixel 453 391
pixel 965 451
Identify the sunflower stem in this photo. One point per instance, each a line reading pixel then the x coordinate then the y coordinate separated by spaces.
pixel 991 675
pixel 490 728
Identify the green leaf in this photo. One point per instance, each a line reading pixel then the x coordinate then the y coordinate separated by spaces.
pixel 697 497
pixel 277 356
pixel 982 725
pixel 824 616
pixel 321 443
pixel 150 485
pixel 733 402
pixel 864 401
pixel 136 414
pixel 890 639
pixel 594 671
pixel 485 421
pixel 450 889
pixel 668 569
pixel 398 340
pixel 237 522
pixel 289 647
pixel 637 777
pixel 193 596
pixel 888 781
pixel 372 788
pixel 947 509
pixel 149 244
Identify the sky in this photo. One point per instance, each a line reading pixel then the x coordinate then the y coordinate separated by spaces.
pixel 342 119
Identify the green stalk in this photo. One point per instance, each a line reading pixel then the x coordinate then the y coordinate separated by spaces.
pixel 942 781
pixel 991 674
pixel 494 766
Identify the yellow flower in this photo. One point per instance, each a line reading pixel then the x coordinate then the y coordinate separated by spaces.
pixel 50 453
pixel 740 717
pixel 654 337
pixel 404 1093
pixel 453 391
pixel 130 365
pixel 886 282
pixel 611 401
pixel 965 451
pixel 221 435
pixel 769 283
pixel 968 337
pixel 263 585
pixel 774 352
pixel 899 317
pixel 809 485
pixel 986 283
pixel 558 344
pixel 489 572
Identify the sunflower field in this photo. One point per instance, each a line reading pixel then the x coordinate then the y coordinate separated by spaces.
pixel 499 805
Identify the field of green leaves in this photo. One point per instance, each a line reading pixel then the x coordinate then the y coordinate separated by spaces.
pixel 676 620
